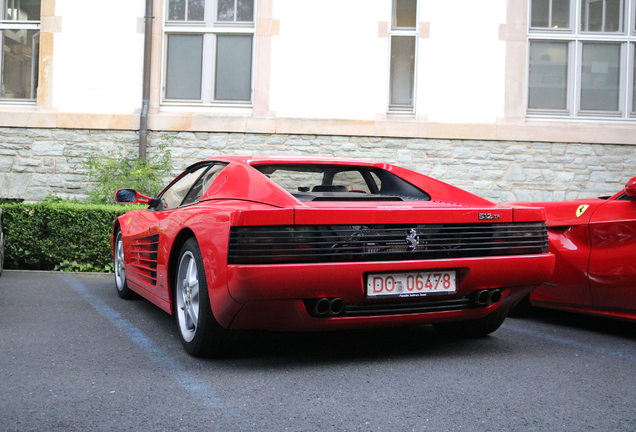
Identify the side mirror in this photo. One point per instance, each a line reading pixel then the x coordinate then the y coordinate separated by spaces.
pixel 630 187
pixel 123 196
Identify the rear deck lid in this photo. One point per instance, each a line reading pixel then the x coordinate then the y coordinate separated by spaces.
pixel 397 212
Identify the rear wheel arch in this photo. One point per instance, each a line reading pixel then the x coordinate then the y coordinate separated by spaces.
pixel 201 334
pixel 121 282
pixel 173 261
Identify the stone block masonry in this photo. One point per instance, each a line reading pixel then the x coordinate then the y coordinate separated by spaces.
pixel 36 163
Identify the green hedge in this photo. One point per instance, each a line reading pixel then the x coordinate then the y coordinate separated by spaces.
pixel 59 236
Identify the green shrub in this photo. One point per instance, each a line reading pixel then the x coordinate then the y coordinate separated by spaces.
pixel 59 236
pixel 115 170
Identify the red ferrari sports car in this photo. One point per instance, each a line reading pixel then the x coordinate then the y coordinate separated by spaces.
pixel 594 241
pixel 309 244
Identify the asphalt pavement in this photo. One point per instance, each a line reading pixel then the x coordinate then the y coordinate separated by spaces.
pixel 76 357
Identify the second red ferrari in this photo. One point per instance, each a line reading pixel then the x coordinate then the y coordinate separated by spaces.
pixel 594 241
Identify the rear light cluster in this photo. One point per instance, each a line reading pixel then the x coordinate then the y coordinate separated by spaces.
pixel 360 243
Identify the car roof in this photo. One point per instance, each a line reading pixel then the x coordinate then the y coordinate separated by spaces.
pixel 261 189
pixel 276 159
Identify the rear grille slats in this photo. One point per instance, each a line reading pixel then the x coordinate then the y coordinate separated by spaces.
pixel 143 258
pixel 346 243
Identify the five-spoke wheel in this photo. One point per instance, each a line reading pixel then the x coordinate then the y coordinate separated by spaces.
pixel 187 298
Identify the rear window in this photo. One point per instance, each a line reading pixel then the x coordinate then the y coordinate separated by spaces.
pixel 338 183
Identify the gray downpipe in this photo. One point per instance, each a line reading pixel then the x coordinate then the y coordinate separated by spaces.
pixel 145 102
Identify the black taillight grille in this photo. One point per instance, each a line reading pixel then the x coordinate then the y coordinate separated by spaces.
pixel 359 243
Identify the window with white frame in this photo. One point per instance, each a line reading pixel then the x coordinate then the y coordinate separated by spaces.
pixel 403 38
pixel 581 58
pixel 20 35
pixel 208 57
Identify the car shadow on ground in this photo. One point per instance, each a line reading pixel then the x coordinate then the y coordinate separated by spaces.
pixel 269 348
pixel 278 348
pixel 593 323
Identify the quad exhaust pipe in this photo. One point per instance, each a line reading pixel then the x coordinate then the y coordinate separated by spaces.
pixel 326 307
pixel 486 297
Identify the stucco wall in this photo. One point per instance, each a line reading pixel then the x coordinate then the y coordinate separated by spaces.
pixel 37 162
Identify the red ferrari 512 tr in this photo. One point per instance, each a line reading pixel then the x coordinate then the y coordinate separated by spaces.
pixel 308 244
pixel 594 241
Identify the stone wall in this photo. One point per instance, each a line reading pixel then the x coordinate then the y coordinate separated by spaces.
pixel 35 163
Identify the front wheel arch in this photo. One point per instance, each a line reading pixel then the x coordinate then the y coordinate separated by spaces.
pixel 121 283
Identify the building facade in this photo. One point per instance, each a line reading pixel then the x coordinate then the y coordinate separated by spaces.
pixel 511 99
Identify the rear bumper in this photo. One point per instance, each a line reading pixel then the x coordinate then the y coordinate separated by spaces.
pixel 292 315
pixel 274 297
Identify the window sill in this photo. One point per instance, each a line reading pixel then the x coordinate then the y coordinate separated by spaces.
pixel 231 109
pixel 581 119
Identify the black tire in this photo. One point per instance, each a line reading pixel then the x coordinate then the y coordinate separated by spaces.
pixel 201 335
pixel 473 328
pixel 120 270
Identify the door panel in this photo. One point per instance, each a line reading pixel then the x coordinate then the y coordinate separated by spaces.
pixel 569 283
pixel 613 257
pixel 142 252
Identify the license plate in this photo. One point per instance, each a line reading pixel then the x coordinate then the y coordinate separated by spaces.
pixel 411 284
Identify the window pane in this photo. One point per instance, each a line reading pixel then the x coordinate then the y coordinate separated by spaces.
pixel 592 16
pixel 20 52
pixel 601 15
pixel 599 77
pixel 613 16
pixel 183 72
pixel 404 13
pixel 560 14
pixel 196 10
pixel 245 10
pixel 176 193
pixel 402 70
pixel 634 83
pixel 202 184
pixel 176 10
pixel 550 14
pixel 548 75
pixel 540 13
pixel 353 180
pixel 225 10
pixel 21 10
pixel 233 67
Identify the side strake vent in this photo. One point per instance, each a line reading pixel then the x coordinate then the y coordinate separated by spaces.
pixel 143 258
pixel 360 243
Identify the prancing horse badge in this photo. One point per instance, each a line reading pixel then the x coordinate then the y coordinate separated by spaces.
pixel 581 210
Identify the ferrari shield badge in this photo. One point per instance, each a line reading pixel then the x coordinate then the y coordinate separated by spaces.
pixel 581 210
